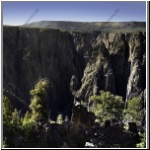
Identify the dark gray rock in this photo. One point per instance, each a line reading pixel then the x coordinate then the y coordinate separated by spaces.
pixel 76 64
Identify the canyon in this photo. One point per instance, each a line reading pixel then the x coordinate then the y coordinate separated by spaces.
pixel 78 63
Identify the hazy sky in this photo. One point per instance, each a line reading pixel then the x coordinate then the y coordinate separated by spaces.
pixel 18 13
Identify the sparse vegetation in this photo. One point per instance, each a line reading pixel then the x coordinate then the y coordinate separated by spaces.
pixel 60 119
pixel 142 144
pixel 133 113
pixel 29 131
pixel 7 111
pixel 5 145
pixel 107 106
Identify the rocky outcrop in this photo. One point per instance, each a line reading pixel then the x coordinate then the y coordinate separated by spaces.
pixel 76 64
pixel 98 74
pixel 137 79
pixel 114 63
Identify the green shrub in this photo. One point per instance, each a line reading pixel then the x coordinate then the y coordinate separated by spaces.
pixel 5 145
pixel 11 123
pixel 7 110
pixel 60 119
pixel 16 120
pixel 142 144
pixel 27 133
pixel 106 106
pixel 27 119
pixel 132 113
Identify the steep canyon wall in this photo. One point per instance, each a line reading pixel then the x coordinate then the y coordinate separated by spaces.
pixel 77 65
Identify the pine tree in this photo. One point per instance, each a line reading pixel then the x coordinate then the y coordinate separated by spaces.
pixel 38 102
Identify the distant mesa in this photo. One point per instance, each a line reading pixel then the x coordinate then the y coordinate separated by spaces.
pixel 91 26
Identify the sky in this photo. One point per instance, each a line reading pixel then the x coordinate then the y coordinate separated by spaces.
pixel 19 13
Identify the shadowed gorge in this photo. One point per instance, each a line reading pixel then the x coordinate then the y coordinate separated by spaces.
pixel 77 64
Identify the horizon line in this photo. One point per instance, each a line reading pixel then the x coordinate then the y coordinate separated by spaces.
pixel 81 22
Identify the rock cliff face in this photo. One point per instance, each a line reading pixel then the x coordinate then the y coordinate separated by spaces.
pixel 76 64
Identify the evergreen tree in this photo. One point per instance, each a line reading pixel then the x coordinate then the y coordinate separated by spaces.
pixel 38 102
